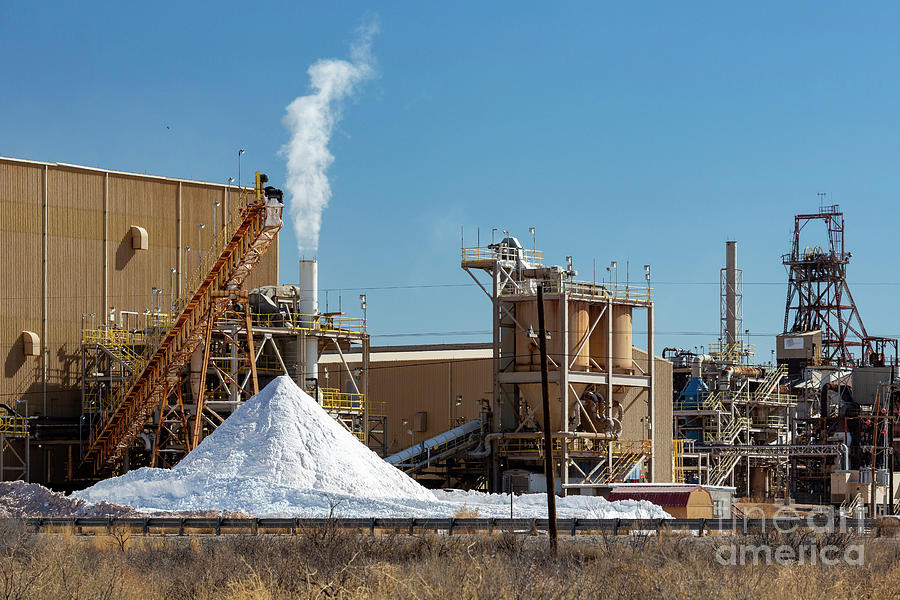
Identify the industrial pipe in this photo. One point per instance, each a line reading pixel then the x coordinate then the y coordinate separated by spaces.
pixel 697 364
pixel 846 452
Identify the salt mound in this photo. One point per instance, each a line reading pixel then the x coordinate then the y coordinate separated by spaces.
pixel 283 436
pixel 279 439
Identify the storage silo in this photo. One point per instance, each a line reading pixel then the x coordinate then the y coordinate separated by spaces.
pixel 622 339
pixel 598 341
pixel 579 325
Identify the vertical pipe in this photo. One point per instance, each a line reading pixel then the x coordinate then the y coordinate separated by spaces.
pixel 564 385
pixel 496 421
pixel 731 293
pixel 45 351
pixel 874 452
pixel 651 391
pixel 449 394
pixel 548 440
pixel 105 312
pixel 609 386
pixel 365 389
pixel 180 266
pixel 309 308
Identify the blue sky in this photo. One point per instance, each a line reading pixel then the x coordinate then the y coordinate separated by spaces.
pixel 649 132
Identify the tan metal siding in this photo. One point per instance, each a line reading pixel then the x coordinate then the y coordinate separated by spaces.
pixel 76 248
pixel 21 190
pixel 430 386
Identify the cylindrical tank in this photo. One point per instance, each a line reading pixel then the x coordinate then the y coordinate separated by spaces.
pixel 528 355
pixel 621 339
pixel 526 315
pixel 309 306
pixel 579 324
pixel 759 482
pixel 598 342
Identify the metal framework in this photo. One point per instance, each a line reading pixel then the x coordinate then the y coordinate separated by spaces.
pixel 14 447
pixel 589 456
pixel 818 296
pixel 120 423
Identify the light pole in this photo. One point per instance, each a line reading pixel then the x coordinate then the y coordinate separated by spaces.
pixel 533 245
pixel 157 292
pixel 647 277
pixel 615 267
pixel 215 222
pixel 200 228
pixel 362 305
pixel 240 185
pixel 228 204
pixel 172 289
pixel 187 269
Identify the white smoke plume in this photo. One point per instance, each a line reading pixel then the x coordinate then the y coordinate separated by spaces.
pixel 310 120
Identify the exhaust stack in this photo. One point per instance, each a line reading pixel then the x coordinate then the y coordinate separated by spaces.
pixel 731 294
pixel 309 309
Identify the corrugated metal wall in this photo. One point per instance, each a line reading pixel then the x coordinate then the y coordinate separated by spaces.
pixel 89 214
pixel 412 386
pixel 432 386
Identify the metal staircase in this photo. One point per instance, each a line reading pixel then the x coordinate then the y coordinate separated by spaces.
pixel 119 424
pixel 770 383
pixel 723 468
pixel 729 433
pixel 626 456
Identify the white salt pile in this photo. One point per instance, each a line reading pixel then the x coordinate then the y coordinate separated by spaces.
pixel 283 436
pixel 281 454
pixel 19 499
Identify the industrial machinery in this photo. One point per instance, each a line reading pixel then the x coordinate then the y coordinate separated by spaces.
pixel 594 371
pixel 148 379
pixel 155 383
pixel 819 299
pixel 816 422
pixel 728 411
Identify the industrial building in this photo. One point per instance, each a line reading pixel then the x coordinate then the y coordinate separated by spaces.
pixel 90 250
pixel 140 311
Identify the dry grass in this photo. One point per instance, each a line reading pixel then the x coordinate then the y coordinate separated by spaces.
pixel 328 563
pixel 465 512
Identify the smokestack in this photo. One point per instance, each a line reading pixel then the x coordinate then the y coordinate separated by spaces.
pixel 309 305
pixel 731 308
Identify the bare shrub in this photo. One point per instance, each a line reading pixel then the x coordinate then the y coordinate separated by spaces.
pixel 464 512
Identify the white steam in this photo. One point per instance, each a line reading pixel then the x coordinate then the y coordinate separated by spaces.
pixel 310 120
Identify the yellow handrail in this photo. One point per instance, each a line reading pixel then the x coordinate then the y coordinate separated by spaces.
pixel 678 457
pixel 13 425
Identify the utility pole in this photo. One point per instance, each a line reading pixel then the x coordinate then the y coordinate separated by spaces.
pixel 548 441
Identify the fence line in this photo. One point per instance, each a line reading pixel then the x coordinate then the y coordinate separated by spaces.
pixel 291 526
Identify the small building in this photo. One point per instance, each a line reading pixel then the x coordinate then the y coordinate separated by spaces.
pixel 680 501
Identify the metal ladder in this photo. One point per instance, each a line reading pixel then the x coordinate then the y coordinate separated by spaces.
pixel 118 426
